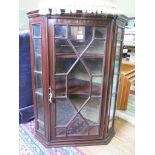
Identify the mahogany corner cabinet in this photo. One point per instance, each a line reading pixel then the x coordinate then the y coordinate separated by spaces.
pixel 75 62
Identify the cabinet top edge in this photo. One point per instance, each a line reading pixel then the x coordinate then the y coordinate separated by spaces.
pixel 80 15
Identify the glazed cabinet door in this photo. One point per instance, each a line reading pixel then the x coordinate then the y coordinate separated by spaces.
pixel 78 62
pixel 39 72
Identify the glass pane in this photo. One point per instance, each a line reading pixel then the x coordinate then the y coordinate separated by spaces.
pixel 65 56
pixel 64 111
pixel 97 86
pixel 80 36
pixel 38 81
pixel 40 107
pixel 77 127
pixel 96 49
pixel 62 47
pixel 38 76
pixel 91 111
pixel 60 31
pixel 118 50
pixel 116 67
pixel 100 32
pixel 94 130
pixel 63 64
pixel 112 107
pixel 38 62
pixel 119 34
pixel 95 65
pixel 115 81
pixel 39 91
pixel 60 82
pixel 60 132
pixel 37 46
pixel 110 124
pixel 77 99
pixel 36 30
pixel 41 126
pixel 79 80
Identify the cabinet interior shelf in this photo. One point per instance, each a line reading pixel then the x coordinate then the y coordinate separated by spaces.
pixel 77 86
pixel 72 55
pixel 65 38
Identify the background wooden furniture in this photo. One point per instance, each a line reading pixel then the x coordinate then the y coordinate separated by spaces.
pixel 75 61
pixel 127 79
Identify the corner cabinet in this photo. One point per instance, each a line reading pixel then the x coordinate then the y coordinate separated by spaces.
pixel 75 64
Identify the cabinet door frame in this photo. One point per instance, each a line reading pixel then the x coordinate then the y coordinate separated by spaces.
pixel 106 62
pixel 42 20
pixel 115 26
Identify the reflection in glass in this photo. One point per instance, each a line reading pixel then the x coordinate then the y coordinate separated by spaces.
pixel 116 67
pixel 38 62
pixel 41 126
pixel 63 65
pixel 115 81
pixel 60 83
pixel 100 32
pixel 119 34
pixel 64 111
pixel 80 36
pixel 60 31
pixel 77 127
pixel 36 30
pixel 95 65
pixel 38 81
pixel 94 130
pixel 97 85
pixel 78 80
pixel 39 99
pixel 62 47
pixel 110 124
pixel 91 111
pixel 118 50
pixel 65 56
pixel 40 112
pixel 77 100
pixel 60 132
pixel 112 107
pixel 37 45
pixel 96 48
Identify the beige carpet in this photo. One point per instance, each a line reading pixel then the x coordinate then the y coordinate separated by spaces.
pixel 122 144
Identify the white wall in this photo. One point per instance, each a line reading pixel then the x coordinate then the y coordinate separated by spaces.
pixel 127 6
pixel 28 5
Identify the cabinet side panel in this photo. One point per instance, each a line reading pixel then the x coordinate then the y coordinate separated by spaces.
pixel 109 58
pixel 115 72
pixel 39 66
